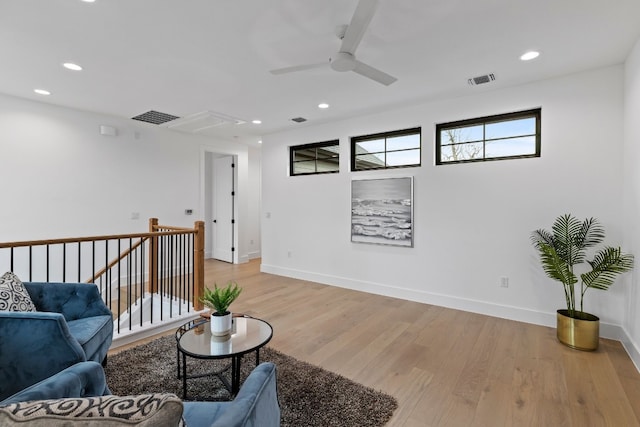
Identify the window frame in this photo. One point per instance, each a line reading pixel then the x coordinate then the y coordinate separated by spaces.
pixel 484 121
pixel 323 144
pixel 403 132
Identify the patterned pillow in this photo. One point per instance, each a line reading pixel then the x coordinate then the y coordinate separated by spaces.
pixel 13 295
pixel 160 409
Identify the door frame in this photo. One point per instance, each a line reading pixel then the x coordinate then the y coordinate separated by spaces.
pixel 206 202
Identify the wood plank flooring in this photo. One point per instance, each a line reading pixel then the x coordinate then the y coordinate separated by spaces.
pixel 445 367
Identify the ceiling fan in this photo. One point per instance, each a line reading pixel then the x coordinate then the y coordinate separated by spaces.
pixel 345 58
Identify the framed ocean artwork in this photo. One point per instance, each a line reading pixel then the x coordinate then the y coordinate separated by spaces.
pixel 382 211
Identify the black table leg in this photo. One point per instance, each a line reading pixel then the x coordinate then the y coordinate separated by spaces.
pixel 236 363
pixel 178 362
pixel 257 357
pixel 184 376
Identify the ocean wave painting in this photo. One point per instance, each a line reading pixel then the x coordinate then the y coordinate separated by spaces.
pixel 382 211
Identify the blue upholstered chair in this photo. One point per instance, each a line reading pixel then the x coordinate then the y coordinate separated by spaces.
pixel 256 404
pixel 72 325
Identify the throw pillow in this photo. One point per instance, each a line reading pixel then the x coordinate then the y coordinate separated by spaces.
pixel 160 409
pixel 13 295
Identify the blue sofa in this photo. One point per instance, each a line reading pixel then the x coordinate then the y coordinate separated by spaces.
pixel 81 396
pixel 72 325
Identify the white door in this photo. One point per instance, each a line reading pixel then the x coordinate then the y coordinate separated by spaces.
pixel 223 208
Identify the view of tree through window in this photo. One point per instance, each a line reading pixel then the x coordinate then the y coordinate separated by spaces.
pixel 320 157
pixel 513 135
pixel 386 150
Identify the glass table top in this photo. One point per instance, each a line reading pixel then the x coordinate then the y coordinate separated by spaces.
pixel 247 334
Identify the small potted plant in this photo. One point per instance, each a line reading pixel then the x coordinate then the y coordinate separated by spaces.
pixel 561 250
pixel 219 300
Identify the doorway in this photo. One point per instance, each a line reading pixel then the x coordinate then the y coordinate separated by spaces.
pixel 221 207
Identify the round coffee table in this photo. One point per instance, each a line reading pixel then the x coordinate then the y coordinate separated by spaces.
pixel 194 339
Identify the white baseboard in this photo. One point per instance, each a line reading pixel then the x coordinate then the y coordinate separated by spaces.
pixel 607 330
pixel 126 336
pixel 632 348
pixel 254 254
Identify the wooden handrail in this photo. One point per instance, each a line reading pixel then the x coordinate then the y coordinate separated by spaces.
pixel 116 260
pixel 93 238
pixel 171 228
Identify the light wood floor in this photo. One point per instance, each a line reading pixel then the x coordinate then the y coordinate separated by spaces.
pixel 445 367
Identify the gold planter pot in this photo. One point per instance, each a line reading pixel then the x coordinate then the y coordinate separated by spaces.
pixel 581 334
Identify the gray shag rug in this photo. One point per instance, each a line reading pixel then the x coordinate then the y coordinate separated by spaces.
pixel 308 394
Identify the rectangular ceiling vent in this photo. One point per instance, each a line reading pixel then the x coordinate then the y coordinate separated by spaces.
pixel 155 117
pixel 480 80
pixel 299 119
pixel 202 121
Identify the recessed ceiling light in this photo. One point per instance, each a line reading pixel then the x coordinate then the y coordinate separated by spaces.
pixel 42 92
pixel 72 66
pixel 323 105
pixel 88 1
pixel 256 122
pixel 259 141
pixel 530 55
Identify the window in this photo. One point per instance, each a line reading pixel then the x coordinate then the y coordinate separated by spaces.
pixel 387 150
pixel 505 136
pixel 320 157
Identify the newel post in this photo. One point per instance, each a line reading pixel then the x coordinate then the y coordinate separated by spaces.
pixel 153 257
pixel 198 265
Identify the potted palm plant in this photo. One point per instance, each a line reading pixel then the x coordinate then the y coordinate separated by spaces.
pixel 562 250
pixel 219 300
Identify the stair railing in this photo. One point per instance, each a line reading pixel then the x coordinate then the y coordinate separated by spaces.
pixel 166 262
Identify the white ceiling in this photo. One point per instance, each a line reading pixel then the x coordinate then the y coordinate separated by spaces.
pixel 185 57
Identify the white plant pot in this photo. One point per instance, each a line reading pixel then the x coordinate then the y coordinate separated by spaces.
pixel 221 325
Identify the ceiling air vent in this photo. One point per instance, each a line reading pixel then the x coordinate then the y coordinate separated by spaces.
pixel 155 117
pixel 299 119
pixel 480 80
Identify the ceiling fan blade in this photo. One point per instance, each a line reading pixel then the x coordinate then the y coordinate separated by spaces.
pixel 296 68
pixel 359 24
pixel 373 73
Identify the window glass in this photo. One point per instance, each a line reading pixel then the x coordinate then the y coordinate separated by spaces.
pixel 386 150
pixel 461 134
pixel 373 146
pixel 403 142
pixel 458 152
pixel 304 167
pixel 511 128
pixel 328 165
pixel 403 158
pixel 513 135
pixel 320 157
pixel 511 147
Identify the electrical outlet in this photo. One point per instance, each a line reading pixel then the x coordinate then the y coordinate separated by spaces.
pixel 504 282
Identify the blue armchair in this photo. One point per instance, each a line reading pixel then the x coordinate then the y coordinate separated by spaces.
pixel 84 384
pixel 72 325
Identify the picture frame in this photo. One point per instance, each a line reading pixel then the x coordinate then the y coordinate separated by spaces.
pixel 382 211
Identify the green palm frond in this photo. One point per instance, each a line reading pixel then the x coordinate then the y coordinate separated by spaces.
pixel 606 265
pixel 219 299
pixel 565 247
pixel 590 234
pixel 542 236
pixel 554 266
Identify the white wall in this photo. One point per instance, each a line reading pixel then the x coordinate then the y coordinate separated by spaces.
pixel 472 221
pixel 253 230
pixel 61 178
pixel 632 196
